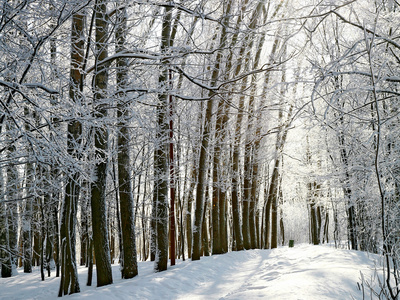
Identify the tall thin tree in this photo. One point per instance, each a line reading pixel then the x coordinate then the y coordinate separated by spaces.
pixel 100 133
pixel 129 256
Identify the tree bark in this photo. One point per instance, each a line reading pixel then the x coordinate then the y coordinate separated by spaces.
pixel 98 188
pixel 207 136
pixel 160 197
pixel 5 253
pixel 129 257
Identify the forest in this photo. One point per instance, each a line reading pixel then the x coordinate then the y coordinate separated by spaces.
pixel 136 130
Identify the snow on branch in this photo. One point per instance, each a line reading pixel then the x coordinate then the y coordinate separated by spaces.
pixel 265 68
pixel 384 78
pixel 15 88
pixel 144 56
pixel 196 13
pixel 390 41
pixel 42 87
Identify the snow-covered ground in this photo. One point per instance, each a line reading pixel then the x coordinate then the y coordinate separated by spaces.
pixel 303 272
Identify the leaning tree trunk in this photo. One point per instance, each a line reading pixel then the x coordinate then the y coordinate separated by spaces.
pixel 206 137
pixel 252 148
pixel 274 184
pixel 243 231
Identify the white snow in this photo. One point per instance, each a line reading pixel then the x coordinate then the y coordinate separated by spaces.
pixel 303 272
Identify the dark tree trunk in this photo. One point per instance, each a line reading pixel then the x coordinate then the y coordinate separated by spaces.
pixel 153 221
pixel 90 262
pixel 129 263
pixel 69 283
pixel 5 254
pixel 206 137
pixel 189 212
pixel 273 199
pixel 319 223
pixel 201 184
pixel 215 205
pixel 56 237
pixel 27 237
pixel 160 196
pixel 98 189
pixel 247 198
pixel 267 221
pixel 42 238
pixel 223 224
pixel 160 199
pixel 69 279
pixel 326 228
pixel 84 232
pixel 204 234
pixel 313 224
pixel 282 228
pixel 351 212
pixel 49 245
pixel 237 228
pixel 35 227
pixel 253 216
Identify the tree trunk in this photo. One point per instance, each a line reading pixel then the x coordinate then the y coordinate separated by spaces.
pixel 49 245
pixel 253 217
pixel 201 184
pixel 313 224
pixel 267 220
pixel 215 205
pixel 160 198
pixel 326 228
pixel 282 228
pixel 237 228
pixel 247 199
pixel 69 283
pixel 69 279
pixel 189 212
pixel 56 237
pixel 222 119
pixel 351 212
pixel 27 236
pixel 273 190
pixel 129 262
pixel 273 197
pixel 242 226
pixel 206 138
pixel 223 224
pixel 84 230
pixel 5 253
pixel 204 235
pixel 90 262
pixel 98 189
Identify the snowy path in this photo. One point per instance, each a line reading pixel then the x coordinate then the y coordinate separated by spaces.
pixel 302 274
pixel 305 272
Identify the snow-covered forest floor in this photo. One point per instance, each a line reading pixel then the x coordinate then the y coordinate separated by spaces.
pixel 303 272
